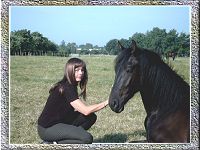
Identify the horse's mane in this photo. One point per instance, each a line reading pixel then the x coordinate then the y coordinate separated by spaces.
pixel 168 88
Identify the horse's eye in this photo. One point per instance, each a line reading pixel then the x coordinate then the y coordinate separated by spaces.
pixel 129 69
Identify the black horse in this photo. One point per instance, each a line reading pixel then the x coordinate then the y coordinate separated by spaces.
pixel 171 54
pixel 165 95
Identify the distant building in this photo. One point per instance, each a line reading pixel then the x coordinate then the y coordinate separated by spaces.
pixel 74 55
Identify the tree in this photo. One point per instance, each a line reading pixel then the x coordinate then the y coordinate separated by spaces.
pixel 88 46
pixel 15 46
pixel 183 42
pixel 171 40
pixel 126 43
pixel 23 41
pixel 38 44
pixel 155 40
pixel 71 48
pixel 112 47
pixel 140 39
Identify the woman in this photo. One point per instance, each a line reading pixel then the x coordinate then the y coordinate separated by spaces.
pixel 65 118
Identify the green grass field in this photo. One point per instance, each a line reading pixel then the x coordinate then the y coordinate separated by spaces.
pixel 30 80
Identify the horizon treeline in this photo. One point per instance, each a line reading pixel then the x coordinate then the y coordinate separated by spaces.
pixel 25 42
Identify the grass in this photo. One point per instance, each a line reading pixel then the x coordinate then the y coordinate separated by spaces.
pixel 32 76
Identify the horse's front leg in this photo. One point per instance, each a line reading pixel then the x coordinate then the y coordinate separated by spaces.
pixel 148 123
pixel 145 123
pixel 146 127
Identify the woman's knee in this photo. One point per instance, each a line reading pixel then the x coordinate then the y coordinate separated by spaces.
pixel 93 117
pixel 85 121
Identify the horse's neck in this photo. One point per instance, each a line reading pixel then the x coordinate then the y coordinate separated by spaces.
pixel 148 101
pixel 152 100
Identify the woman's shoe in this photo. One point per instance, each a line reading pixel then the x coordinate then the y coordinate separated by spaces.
pixel 47 142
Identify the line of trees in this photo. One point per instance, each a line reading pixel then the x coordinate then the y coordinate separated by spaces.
pixel 157 40
pixel 23 42
pixel 27 43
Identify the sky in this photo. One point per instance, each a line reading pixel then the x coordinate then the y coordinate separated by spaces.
pixel 97 24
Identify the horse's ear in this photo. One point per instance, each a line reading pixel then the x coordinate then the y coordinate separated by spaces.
pixel 133 46
pixel 120 45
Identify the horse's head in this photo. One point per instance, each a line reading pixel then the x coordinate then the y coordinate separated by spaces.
pixel 126 78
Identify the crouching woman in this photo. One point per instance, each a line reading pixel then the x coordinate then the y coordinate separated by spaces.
pixel 65 118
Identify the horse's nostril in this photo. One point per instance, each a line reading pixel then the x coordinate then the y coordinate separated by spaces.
pixel 114 104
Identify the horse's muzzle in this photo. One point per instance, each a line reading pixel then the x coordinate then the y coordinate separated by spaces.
pixel 114 105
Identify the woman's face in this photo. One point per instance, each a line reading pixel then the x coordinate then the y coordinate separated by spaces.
pixel 79 73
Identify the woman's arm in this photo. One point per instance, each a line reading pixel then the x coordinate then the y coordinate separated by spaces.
pixel 86 110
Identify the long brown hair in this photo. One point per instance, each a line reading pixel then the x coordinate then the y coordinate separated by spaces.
pixel 69 75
